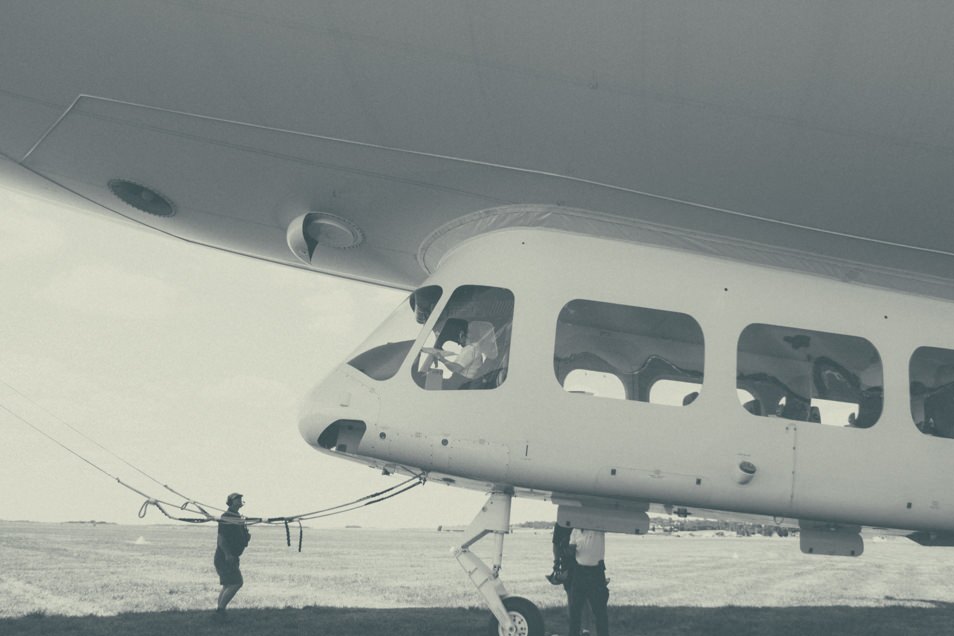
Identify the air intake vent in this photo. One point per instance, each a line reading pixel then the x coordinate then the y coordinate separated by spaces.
pixel 142 198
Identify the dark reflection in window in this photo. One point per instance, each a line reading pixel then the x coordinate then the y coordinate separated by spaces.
pixel 932 391
pixel 810 376
pixel 381 355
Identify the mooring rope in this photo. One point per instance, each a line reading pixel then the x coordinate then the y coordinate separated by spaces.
pixel 202 510
pixel 367 500
pixel 61 421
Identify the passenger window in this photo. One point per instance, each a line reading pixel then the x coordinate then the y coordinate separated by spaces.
pixel 469 346
pixel 810 376
pixel 932 391
pixel 634 350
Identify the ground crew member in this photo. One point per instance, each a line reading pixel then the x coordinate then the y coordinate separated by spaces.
pixel 588 581
pixel 233 537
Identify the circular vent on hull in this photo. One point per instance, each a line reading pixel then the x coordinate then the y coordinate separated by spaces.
pixel 142 198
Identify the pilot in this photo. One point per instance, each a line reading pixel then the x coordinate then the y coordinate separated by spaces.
pixel 588 583
pixel 468 362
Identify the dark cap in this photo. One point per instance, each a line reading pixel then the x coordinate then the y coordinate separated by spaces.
pixel 232 497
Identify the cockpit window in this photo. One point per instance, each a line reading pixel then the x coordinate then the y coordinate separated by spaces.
pixel 810 376
pixel 932 391
pixel 628 353
pixel 469 346
pixel 383 352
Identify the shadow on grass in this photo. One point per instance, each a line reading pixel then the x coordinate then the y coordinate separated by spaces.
pixel 624 621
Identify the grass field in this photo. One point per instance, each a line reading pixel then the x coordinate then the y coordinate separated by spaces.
pixel 77 578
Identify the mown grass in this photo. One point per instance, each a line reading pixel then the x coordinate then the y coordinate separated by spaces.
pixel 76 570
pixel 64 580
pixel 624 621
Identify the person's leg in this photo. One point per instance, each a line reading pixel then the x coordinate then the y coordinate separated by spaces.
pixel 586 608
pixel 227 594
pixel 577 599
pixel 232 581
pixel 599 597
pixel 586 617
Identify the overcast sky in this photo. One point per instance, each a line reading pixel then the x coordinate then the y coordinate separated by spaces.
pixel 185 361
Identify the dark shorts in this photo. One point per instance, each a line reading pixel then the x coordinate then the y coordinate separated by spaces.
pixel 229 572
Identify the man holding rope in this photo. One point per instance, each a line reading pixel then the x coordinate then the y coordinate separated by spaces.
pixel 233 537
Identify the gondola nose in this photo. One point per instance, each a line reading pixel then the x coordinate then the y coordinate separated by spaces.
pixel 335 414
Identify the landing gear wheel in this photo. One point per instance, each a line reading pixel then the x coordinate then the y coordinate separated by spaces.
pixel 526 618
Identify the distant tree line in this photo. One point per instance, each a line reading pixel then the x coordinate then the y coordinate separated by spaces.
pixel 669 525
